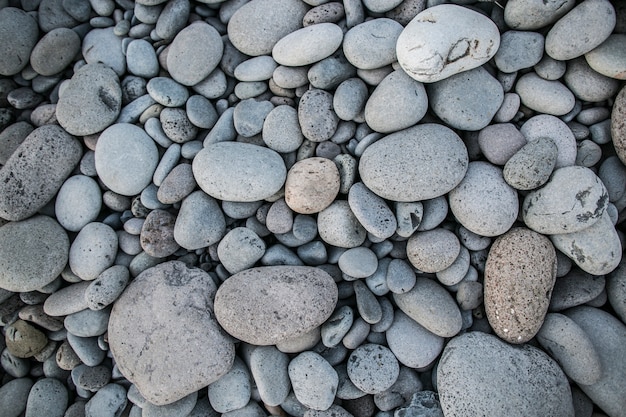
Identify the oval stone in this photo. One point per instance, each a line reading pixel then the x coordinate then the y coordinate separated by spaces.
pixel 573 199
pixel 534 14
pixel 418 163
pixel 372 44
pixel 55 51
pixel 610 57
pixel 18 36
pixel 266 305
pixel 618 125
pixel 241 172
pixel 308 45
pixel 479 374
pixel 519 277
pixel 36 170
pixel 33 252
pixel 444 40
pixel 312 185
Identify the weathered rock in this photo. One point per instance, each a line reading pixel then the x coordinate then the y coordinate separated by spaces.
pixel 312 185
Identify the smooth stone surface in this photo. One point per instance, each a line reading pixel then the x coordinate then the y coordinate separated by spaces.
pixel 564 340
pixel 519 50
pixel 372 44
pixel 55 51
pixel 607 335
pixel 14 395
pixel 126 158
pixel 269 369
pixel 87 323
pixel 314 380
pixel 308 45
pixel 78 202
pixel 250 115
pixel 24 340
pixel 257 26
pixel 535 14
pixel 409 165
pixel 18 37
pixel 239 172
pixel 200 222
pixel 519 276
pixel 141 321
pixel 336 327
pixel 240 249
pixel 433 250
pixel 608 58
pixel 572 200
pixel 141 59
pixel 311 185
pixel 281 130
pixel 157 234
pixel 397 102
pixel 543 96
pixel 483 202
pixel 49 397
pixel 372 211
pixel 532 165
pixel 373 368
pixel 499 142
pixel 358 262
pixel 109 400
pixel 587 84
pixel 275 303
pixel 67 300
pixel 596 249
pixel 36 170
pixel 582 29
pixel 545 125
pixel 167 92
pixel 411 343
pixel 444 40
pixel 318 121
pixel 618 125
pixel 177 185
pixel 47 246
pixel 430 305
pixel 338 226
pixel 468 100
pixel 350 98
pixel 104 46
pixel 93 250
pixel 194 53
pixel 232 390
pixel 492 371
pixel 615 289
pixel 184 407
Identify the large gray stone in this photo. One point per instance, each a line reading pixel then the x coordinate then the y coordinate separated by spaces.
pixel 18 36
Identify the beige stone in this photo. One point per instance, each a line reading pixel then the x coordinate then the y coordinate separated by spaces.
pixel 312 185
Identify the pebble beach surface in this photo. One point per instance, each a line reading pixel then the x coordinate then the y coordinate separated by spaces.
pixel 312 208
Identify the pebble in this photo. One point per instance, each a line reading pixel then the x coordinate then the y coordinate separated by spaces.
pixel 519 276
pixel 532 165
pixel 105 289
pixel 444 49
pixel 435 211
pixel 184 407
pixel 177 185
pixel 87 323
pixel 469 295
pixel 430 305
pixel 314 381
pixel 587 84
pixel 519 50
pixel 499 142
pixel 372 211
pixel 91 378
pixel 67 300
pixel 405 334
pixel 544 96
pixel 78 202
pixel 549 126
pixel 157 234
pixel 240 249
pixel 48 396
pixel 167 92
pixel 571 201
pixel 201 112
pixel 453 274
pixel 408 165
pixel 534 14
pixel 172 18
pixel 279 217
pixel 337 326
pixel 272 312
pixel 607 334
pixel 232 391
pixel 131 174
pixel 318 121
pixel 434 250
pixel 194 53
pixel 109 400
pixel 349 98
pixel 105 47
pixel 582 29
pixel 138 337
pixel 492 370
pixel 14 395
pixel 308 45
pixel 324 13
pixel 607 59
pixel 618 128
pixel 36 170
pixel 454 101
pixel 372 44
pixel 615 288
pixel 408 217
pixel 269 369
pixel 396 103
pixel 11 138
pixel 596 249
pixel 141 59
pixel 253 172
pixel 338 226
pixel 93 250
pixel 55 51
pixel 24 340
pixel 311 185
pixel 373 368
pixel 176 125
pixel 47 246
pixel 400 277
pixel 368 306
pixel 281 131
pixel 483 202
pixel 18 37
pixel 200 222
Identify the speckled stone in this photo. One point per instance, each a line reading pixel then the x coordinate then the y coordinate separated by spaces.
pixel 532 165
pixel 312 185
pixel 338 226
pixel 519 276
pixel 433 250
pixel 618 125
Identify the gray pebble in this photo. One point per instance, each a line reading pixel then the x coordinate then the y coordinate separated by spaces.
pixel 574 289
pixel 182 407
pixel 110 400
pixel 247 90
pixel 519 50
pixel 93 250
pixel 280 255
pixel 18 37
pixel 313 253
pixel 454 273
pixel 48 396
pixel 400 392
pixel 357 335
pixel 281 131
pixel 373 368
pixel 290 77
pixel 400 276
pixel 589 153
pixel 601 132
pixel 14 395
pixel 338 226
pixel 550 69
pixel 87 323
pixel 308 45
pixel 377 282
pixel 105 289
pixel 549 97
pixel 172 19
pixel 593 115
pixel 232 391
pixel 213 86
pixel 607 59
pixel 409 217
pixel 358 262
pixel 314 380
pixel 337 326
pixel 250 115
pixel 499 142
pixel 11 138
pixel 78 202
pixel 177 185
pixel 317 118
pixel 141 59
pixel 14 366
pixel 402 337
pixel 259 68
pixel 67 300
pixel 133 111
pixel 55 51
pixel 239 249
pixel 387 316
pixel 177 125
pixel 509 108
pixel 104 46
pixel 533 14
pixel 433 250
pixel 546 125
pixel 469 294
pixel 91 378
pixel 350 98
pixel 471 240
pixel 372 44
pixel 615 289
pixel 87 349
pixel 532 165
pixel 269 368
pixel 201 112
pixel 157 234
pixel 166 164
pixel 167 91
pixel 367 304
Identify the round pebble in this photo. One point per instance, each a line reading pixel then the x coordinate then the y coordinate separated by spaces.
pixel 373 368
pixel 434 250
pixel 372 44
pixel 338 226
pixel 78 202
pixel 18 38
pixel 311 185
pixel 313 380
pixel 532 165
pixel 55 51
pixel 93 250
pixel 308 45
pixel 47 396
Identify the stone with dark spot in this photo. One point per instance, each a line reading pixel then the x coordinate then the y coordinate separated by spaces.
pixel 24 340
pixel 163 334
pixel 91 101
pixel 519 276
pixel 36 170
pixel 157 234
pixel 265 305
pixel 573 199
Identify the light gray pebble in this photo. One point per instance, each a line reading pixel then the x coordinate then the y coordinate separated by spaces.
pixel 499 142
pixel 166 164
pixel 250 115
pixel 232 391
pixel 280 255
pixel 93 250
pixel 172 18
pixel 269 369
pixel 239 249
pixel 377 282
pixel 434 250
pixel 67 300
pixel 314 380
pixel 167 91
pixel 574 289
pixel 190 149
pixel 182 407
pixel 471 240
pixel 18 38
pixel 177 185
pixel 324 13
pixel 589 153
pixel 346 389
pixel 367 304
pixel 387 316
pixel 400 392
pixel 11 137
pixel 177 125
pixel 240 210
pixel 201 112
pixel 613 175
pixel 607 59
pixel 105 289
pixel 110 400
pixel 87 349
pixel 405 334
pixel 14 395
pixel 281 130
pixel 308 45
pixel 588 85
pixel 373 368
pixel 133 110
pixel 313 253
pixel 550 69
pixel 347 166
pixel 532 165
pixel 545 125
pixel 290 77
pixel 247 90
pixel 519 50
pixel 141 59
pixel 469 294
pixel 423 404
pixel 593 115
pixel 358 262
pixel 400 276
pixel 134 225
pixel 316 116
pixel 48 396
pixel 87 323
pixel 338 226
pixel 337 326
pixel 533 14
pixel 544 96
pixel 102 45
pixel 258 68
pixel 350 98
pixel 279 217
pixel 372 44
pixel 409 217
pixel 148 13
pixel 455 102
pixel 55 51
pixel 457 270
pixel 601 132
pixel 300 343
pixel 213 86
pixel 357 334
